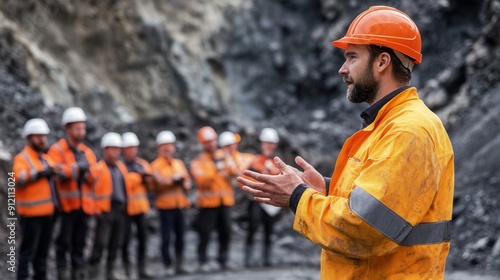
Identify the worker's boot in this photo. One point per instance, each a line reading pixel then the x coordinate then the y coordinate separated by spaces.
pixel 113 274
pixel 143 272
pixel 63 274
pixel 127 267
pixel 248 256
pixel 181 265
pixel 267 257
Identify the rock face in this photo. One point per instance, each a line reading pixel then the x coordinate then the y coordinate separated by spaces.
pixel 151 65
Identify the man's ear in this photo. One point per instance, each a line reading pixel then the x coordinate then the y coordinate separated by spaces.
pixel 384 60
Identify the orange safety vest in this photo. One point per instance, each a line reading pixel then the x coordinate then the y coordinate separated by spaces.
pixel 170 196
pixel 104 185
pixel 33 195
pixel 71 198
pixel 137 202
pixel 264 165
pixel 214 189
pixel 243 160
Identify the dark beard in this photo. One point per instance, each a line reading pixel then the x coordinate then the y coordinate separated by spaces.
pixel 365 90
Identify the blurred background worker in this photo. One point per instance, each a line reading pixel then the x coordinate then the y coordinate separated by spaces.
pixel 259 213
pixel 235 160
pixel 36 199
pixel 76 162
pixel 215 197
pixel 111 205
pixel 138 203
pixel 172 184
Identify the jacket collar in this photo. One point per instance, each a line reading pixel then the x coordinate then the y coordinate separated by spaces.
pixel 409 93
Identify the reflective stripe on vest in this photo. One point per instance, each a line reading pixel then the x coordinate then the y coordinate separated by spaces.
pixel 102 197
pixel 33 171
pixel 138 196
pixel 72 194
pixel 215 194
pixel 35 202
pixel 169 193
pixel 22 177
pixel 390 224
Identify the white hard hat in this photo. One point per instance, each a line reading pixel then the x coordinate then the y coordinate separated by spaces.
pixel 130 140
pixel 165 137
pixel 35 126
pixel 226 138
pixel 73 114
pixel 111 139
pixel 269 135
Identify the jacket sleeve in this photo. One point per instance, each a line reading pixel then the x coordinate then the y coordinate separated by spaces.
pixel 57 156
pixel 401 176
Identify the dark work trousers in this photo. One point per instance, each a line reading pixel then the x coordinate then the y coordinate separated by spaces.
pixel 71 238
pixel 256 216
pixel 109 234
pixel 141 227
pixel 207 219
pixel 172 220
pixel 36 235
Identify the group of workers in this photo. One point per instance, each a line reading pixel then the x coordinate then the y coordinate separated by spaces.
pixel 385 213
pixel 68 183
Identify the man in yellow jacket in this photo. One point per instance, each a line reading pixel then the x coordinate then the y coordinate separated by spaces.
pixel 386 211
pixel 170 189
pixel 35 198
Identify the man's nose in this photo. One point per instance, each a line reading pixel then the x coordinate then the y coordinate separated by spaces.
pixel 344 70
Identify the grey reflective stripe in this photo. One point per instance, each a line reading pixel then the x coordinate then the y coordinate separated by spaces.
pixel 428 233
pixel 35 202
pixel 33 171
pixel 215 194
pixel 138 196
pixel 88 195
pixel 70 194
pixel 102 197
pixel 74 174
pixel 390 224
pixel 22 177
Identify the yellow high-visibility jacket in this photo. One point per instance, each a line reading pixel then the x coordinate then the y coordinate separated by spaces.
pixel 389 204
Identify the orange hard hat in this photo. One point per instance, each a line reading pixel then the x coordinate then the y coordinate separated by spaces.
pixel 384 26
pixel 206 134
pixel 237 137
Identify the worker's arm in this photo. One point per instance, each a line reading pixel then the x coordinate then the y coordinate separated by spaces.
pixel 393 190
pixel 64 170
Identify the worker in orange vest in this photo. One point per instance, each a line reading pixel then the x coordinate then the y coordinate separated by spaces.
pixel 172 184
pixel 212 175
pixel 35 198
pixel 112 190
pixel 258 212
pixel 228 142
pixel 74 186
pixel 138 203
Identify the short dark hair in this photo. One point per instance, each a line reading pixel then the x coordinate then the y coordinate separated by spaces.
pixel 400 73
